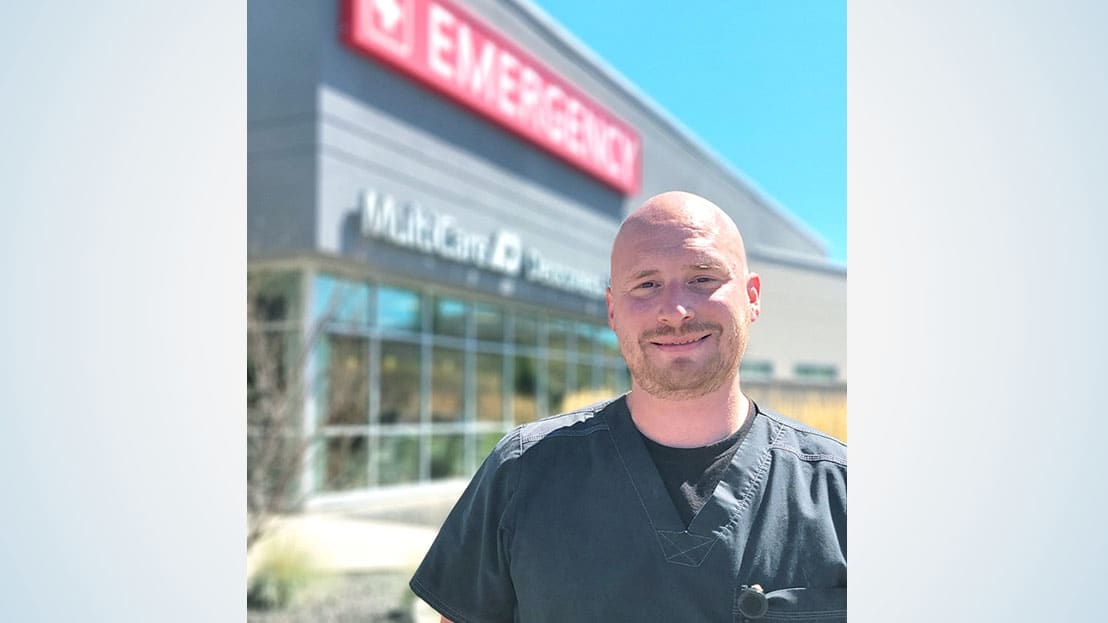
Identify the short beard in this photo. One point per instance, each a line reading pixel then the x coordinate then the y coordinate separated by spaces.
pixel 685 382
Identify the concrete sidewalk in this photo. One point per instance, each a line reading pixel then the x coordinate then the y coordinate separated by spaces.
pixel 342 543
pixel 384 535
pixel 384 530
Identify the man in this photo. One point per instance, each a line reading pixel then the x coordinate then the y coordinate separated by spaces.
pixel 679 501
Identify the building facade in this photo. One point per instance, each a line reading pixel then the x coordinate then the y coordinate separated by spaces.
pixel 433 189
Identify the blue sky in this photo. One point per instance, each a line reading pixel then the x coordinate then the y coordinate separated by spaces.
pixel 763 83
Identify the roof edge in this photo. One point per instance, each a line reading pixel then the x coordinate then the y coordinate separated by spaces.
pixel 795 259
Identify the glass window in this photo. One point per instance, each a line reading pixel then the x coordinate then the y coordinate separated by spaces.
pixel 754 370
pixel 490 387
pixel 398 308
pixel 449 317
pixel 584 382
pixel 526 331
pixel 607 342
pixel 555 386
pixel 584 392
pixel 340 300
pixel 585 333
pixel 447 456
pixel 345 463
pixel 398 460
pixel 347 380
pixel 819 373
pixel 525 385
pixel 399 382
pixel 557 336
pixel 490 323
pixel 447 384
pixel 611 383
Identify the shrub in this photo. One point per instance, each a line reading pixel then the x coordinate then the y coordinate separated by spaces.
pixel 283 572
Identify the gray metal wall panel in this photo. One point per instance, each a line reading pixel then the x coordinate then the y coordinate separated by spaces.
pixel 282 39
pixel 280 189
pixel 414 165
pixel 282 74
pixel 803 318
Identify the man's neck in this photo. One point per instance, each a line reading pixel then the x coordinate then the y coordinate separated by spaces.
pixel 690 423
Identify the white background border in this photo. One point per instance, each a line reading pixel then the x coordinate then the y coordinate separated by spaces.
pixel 977 151
pixel 122 181
pixel 977 158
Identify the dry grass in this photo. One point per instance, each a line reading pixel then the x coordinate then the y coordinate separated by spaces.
pixel 819 407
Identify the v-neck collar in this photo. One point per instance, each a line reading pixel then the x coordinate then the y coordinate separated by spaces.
pixel 721 514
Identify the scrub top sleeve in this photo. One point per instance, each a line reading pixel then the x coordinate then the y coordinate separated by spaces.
pixel 837 499
pixel 465 575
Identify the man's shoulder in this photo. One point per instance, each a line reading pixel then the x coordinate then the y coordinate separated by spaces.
pixel 581 422
pixel 806 442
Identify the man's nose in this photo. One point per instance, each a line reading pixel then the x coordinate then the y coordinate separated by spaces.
pixel 675 309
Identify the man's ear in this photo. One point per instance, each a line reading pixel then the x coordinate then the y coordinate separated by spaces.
pixel 611 311
pixel 754 295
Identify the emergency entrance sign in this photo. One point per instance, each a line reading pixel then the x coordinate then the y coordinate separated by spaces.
pixel 450 51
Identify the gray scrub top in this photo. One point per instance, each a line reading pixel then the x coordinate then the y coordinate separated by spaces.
pixel 567 520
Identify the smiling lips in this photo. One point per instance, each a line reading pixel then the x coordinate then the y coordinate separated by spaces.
pixel 680 343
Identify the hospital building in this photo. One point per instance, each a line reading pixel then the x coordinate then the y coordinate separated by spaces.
pixel 433 189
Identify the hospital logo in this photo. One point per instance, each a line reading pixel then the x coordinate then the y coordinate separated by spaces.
pixel 410 225
pixel 391 25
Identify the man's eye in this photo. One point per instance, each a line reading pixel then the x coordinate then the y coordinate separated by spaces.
pixel 647 285
pixel 703 279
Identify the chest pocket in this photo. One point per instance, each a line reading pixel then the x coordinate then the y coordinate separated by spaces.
pixel 810 605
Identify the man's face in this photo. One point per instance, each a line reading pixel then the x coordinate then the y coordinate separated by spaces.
pixel 681 303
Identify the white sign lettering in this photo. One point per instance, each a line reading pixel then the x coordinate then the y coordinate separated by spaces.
pixel 412 226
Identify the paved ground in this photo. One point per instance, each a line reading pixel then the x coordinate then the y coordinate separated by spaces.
pixel 361 598
pixel 361 555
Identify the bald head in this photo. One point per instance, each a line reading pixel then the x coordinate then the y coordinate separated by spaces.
pixel 680 214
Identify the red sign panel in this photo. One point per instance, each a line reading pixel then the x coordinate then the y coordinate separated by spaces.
pixel 449 50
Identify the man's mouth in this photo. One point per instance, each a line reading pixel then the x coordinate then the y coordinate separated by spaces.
pixel 680 341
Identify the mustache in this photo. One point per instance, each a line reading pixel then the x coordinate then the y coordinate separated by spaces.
pixel 695 326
